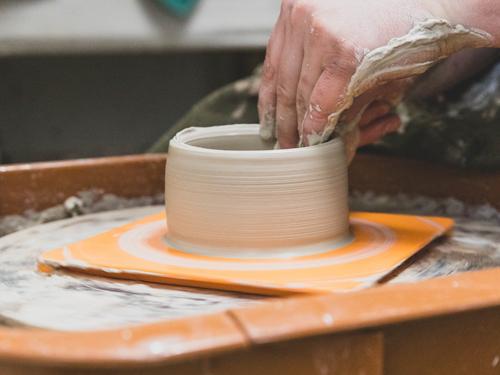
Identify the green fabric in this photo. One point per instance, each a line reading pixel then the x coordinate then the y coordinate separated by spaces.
pixel 462 130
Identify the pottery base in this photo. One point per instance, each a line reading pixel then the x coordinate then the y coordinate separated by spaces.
pixel 138 251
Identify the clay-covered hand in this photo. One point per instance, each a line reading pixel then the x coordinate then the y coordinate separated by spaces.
pixel 456 70
pixel 336 66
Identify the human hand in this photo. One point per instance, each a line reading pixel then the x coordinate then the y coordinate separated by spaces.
pixel 452 72
pixel 329 61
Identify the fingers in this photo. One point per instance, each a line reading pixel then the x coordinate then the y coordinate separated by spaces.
pixel 351 143
pixel 305 82
pixel 309 73
pixel 267 91
pixel 374 111
pixel 328 95
pixel 288 78
pixel 378 128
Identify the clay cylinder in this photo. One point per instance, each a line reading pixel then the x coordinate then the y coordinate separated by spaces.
pixel 230 194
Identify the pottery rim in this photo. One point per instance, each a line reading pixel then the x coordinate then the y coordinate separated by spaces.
pixel 183 140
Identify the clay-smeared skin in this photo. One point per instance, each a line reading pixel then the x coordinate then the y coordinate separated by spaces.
pixel 413 54
pixel 325 56
pixel 455 70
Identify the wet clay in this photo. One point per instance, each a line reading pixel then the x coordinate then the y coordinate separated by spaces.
pixel 229 193
pixel 83 302
pixel 78 302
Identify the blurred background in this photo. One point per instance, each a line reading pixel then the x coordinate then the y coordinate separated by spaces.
pixel 108 77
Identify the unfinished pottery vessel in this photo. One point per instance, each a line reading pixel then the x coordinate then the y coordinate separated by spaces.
pixel 230 194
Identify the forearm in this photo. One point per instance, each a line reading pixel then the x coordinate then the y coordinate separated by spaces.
pixel 482 15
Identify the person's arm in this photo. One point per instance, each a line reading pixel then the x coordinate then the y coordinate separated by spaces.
pixel 479 14
pixel 318 46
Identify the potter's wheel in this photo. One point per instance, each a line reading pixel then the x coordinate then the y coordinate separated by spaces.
pixel 80 302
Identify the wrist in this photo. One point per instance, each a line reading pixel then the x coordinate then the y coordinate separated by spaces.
pixel 482 15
